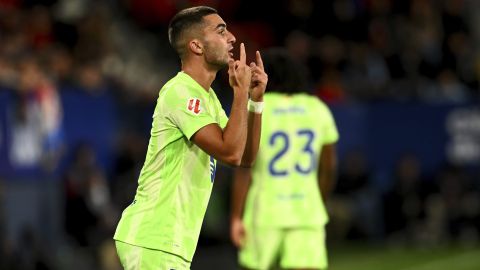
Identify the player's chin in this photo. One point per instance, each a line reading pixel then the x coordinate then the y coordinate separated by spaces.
pixel 225 60
pixel 229 58
pixel 220 64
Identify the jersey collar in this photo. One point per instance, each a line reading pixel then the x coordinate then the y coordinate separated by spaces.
pixel 194 83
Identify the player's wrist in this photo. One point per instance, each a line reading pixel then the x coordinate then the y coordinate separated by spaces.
pixel 257 97
pixel 240 91
pixel 255 106
pixel 240 94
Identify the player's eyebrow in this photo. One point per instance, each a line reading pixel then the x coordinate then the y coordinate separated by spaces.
pixel 220 25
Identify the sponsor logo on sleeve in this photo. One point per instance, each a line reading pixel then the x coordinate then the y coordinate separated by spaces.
pixel 193 105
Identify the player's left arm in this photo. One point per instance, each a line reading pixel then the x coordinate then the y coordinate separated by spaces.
pixel 242 179
pixel 327 170
pixel 257 90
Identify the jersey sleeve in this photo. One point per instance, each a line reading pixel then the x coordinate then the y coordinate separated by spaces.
pixel 329 127
pixel 187 109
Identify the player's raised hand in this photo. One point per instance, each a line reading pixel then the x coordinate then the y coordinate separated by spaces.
pixel 239 74
pixel 259 78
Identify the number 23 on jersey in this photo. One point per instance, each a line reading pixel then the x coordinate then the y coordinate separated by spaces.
pixel 305 152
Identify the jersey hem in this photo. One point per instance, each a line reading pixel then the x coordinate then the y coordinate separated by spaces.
pixel 155 248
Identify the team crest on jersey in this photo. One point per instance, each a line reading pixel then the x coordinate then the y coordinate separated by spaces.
pixel 193 105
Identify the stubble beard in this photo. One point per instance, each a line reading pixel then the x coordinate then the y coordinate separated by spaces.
pixel 215 60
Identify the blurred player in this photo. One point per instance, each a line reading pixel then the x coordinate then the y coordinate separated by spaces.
pixel 278 215
pixel 190 131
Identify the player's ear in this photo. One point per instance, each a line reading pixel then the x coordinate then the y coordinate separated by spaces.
pixel 196 46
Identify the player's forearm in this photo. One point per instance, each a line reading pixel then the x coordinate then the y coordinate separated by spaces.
pixel 241 184
pixel 235 133
pixel 253 139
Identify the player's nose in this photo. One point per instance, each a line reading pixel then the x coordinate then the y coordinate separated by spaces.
pixel 231 38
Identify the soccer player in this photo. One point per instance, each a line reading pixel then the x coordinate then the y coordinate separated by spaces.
pixel 190 132
pixel 278 212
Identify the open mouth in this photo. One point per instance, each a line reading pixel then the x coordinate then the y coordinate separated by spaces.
pixel 230 53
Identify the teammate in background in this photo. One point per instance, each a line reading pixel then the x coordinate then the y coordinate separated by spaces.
pixel 278 215
pixel 190 131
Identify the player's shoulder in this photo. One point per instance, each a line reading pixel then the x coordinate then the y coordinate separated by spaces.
pixel 298 98
pixel 271 96
pixel 317 100
pixel 314 103
pixel 178 87
pixel 309 99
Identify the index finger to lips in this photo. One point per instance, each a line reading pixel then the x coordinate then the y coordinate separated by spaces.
pixel 243 55
pixel 259 59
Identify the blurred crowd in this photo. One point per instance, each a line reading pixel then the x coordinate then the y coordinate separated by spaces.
pixel 416 210
pixel 359 51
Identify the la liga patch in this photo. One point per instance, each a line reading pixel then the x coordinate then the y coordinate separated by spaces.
pixel 193 105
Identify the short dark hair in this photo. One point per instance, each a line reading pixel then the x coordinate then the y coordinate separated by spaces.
pixel 183 21
pixel 284 74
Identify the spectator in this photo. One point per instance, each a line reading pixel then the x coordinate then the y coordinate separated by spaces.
pixel 404 203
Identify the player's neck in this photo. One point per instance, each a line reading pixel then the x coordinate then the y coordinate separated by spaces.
pixel 200 74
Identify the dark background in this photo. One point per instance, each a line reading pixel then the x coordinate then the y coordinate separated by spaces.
pixel 79 81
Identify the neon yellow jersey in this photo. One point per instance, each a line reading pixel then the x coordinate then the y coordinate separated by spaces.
pixel 284 191
pixel 176 180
